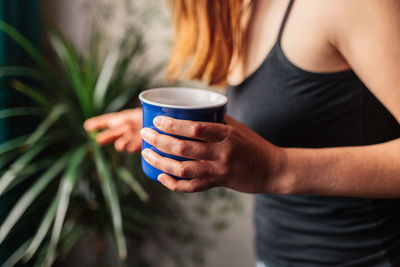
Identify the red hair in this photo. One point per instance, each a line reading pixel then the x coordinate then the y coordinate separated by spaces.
pixel 208 38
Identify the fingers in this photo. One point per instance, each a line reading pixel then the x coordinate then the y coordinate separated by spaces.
pixel 110 135
pixel 122 142
pixel 205 131
pixel 132 115
pixel 178 147
pixel 186 186
pixel 124 138
pixel 99 122
pixel 184 169
pixel 113 119
pixel 123 129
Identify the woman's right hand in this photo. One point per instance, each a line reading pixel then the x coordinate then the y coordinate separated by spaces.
pixel 121 128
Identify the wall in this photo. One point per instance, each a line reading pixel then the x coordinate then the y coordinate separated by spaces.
pixel 234 247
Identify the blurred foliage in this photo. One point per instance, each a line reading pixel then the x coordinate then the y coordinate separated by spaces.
pixel 74 187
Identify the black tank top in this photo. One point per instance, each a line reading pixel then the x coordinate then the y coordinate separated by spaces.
pixel 291 107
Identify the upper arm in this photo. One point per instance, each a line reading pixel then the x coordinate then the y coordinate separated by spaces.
pixel 367 34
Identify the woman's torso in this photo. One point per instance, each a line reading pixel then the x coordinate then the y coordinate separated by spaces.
pixel 292 107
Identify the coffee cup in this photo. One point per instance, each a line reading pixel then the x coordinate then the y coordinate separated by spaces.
pixel 179 103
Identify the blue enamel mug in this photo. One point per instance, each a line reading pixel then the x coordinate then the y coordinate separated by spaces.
pixel 179 103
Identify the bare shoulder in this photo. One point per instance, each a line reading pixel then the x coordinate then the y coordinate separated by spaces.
pixel 354 10
pixel 367 34
pixel 365 18
pixel 362 9
pixel 367 29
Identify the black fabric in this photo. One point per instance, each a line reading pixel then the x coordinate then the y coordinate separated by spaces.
pixel 291 107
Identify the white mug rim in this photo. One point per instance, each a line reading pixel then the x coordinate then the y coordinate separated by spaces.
pixel 221 103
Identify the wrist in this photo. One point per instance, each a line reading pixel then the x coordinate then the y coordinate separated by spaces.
pixel 284 178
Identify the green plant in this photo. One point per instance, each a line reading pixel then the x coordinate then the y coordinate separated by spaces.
pixel 71 183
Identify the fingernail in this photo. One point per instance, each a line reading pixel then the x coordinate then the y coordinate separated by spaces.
pixel 87 125
pixel 157 121
pixel 160 179
pixel 144 132
pixel 145 153
pixel 163 180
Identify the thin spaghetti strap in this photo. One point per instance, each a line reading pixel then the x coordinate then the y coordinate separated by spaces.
pixel 284 20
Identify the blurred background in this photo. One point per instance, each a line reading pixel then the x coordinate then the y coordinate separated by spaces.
pixel 64 201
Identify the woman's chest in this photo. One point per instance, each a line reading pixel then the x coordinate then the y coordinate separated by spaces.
pixel 291 108
pixel 304 35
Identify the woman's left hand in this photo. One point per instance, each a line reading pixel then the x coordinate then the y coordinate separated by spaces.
pixel 229 155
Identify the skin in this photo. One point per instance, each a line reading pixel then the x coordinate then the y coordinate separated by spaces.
pixel 360 34
pixel 121 128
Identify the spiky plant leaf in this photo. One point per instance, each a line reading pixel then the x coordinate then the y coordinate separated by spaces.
pixel 44 227
pixel 133 183
pixel 120 101
pixel 103 82
pixel 7 178
pixel 131 47
pixel 90 64
pixel 67 184
pixel 94 203
pixel 20 111
pixel 41 254
pixel 66 230
pixel 70 63
pixel 13 144
pixel 35 96
pixel 17 255
pixel 26 200
pixel 111 197
pixel 5 160
pixel 29 48
pixel 54 115
pixel 17 71
pixel 29 171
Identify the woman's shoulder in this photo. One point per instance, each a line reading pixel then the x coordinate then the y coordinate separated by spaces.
pixel 351 15
pixel 358 16
pixel 364 20
pixel 345 23
pixel 368 36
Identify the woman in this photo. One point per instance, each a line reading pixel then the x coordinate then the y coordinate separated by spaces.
pixel 316 88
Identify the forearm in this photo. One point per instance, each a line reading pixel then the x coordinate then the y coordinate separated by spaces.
pixel 365 171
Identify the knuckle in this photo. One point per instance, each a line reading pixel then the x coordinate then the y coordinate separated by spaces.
pixel 156 164
pixel 226 155
pixel 223 171
pixel 197 129
pixel 130 125
pixel 184 171
pixel 182 148
pixel 229 131
pixel 124 128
